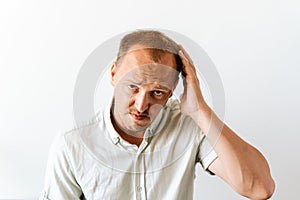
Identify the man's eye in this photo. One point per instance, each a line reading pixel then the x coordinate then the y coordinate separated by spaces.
pixel 158 93
pixel 132 87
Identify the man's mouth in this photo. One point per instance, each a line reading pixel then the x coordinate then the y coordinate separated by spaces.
pixel 138 116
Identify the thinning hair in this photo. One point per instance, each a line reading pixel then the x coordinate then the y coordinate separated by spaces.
pixel 155 42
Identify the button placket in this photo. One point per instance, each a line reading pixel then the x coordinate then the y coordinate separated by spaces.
pixel 136 178
pixel 139 173
pixel 139 178
pixel 139 188
pixel 142 176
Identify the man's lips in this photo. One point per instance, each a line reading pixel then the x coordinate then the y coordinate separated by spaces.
pixel 138 116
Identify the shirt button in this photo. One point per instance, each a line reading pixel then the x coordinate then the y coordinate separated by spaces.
pixel 139 189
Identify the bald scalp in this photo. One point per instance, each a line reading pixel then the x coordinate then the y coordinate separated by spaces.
pixel 156 44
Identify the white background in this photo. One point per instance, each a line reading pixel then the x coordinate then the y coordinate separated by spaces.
pixel 254 44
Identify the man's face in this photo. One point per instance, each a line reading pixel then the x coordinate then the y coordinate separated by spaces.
pixel 142 88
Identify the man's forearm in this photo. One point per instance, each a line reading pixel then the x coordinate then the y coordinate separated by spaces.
pixel 244 167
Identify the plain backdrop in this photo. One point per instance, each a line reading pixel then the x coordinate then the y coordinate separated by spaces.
pixel 254 45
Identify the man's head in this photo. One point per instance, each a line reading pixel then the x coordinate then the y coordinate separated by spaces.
pixel 144 77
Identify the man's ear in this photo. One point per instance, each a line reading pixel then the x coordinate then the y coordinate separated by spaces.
pixel 113 69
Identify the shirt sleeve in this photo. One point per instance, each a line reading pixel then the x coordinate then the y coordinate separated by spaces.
pixel 60 182
pixel 206 153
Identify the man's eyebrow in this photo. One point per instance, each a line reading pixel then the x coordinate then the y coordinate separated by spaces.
pixel 161 87
pixel 137 82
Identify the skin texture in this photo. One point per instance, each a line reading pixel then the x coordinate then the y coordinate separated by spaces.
pixel 142 87
pixel 239 164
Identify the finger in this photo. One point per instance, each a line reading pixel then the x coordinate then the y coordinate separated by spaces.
pixel 187 65
pixel 185 53
pixel 183 57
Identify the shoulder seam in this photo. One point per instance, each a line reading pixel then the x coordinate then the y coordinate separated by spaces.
pixel 93 121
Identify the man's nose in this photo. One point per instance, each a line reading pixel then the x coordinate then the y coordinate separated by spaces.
pixel 142 101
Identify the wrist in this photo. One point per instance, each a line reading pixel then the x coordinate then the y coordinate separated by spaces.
pixel 203 117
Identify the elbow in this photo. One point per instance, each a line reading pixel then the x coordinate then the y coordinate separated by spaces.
pixel 268 189
pixel 264 191
pixel 259 189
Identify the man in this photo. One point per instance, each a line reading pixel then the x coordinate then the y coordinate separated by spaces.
pixel 146 144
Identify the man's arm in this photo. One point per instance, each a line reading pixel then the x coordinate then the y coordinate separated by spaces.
pixel 239 164
pixel 60 182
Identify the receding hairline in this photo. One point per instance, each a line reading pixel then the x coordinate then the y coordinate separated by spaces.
pixel 155 54
pixel 156 42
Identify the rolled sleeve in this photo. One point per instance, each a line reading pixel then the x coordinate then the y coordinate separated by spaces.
pixel 206 153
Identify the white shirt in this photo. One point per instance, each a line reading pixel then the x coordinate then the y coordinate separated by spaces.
pixel 94 162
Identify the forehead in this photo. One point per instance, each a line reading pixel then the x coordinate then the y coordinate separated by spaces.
pixel 151 74
pixel 139 66
pixel 139 55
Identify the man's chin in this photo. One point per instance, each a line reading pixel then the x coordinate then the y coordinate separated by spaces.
pixel 140 127
pixel 137 128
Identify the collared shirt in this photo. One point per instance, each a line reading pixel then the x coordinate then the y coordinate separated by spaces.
pixel 94 162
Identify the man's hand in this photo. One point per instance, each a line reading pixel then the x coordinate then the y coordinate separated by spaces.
pixel 192 100
pixel 239 164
